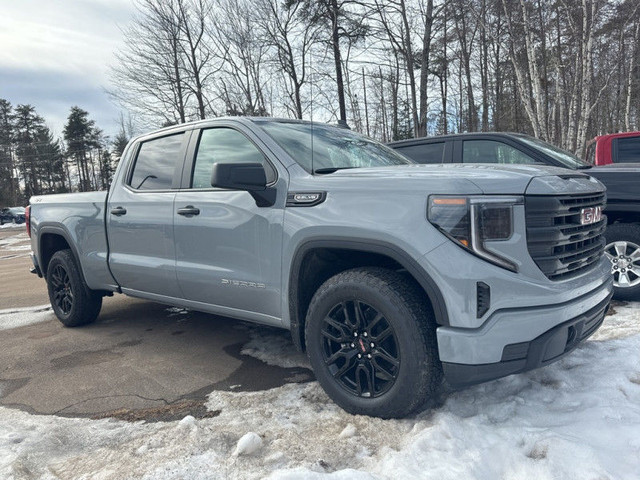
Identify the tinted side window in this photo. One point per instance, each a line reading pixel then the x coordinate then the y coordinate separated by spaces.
pixel 225 145
pixel 156 162
pixel 628 150
pixel 491 151
pixel 427 153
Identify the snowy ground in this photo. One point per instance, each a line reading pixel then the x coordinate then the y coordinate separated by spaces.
pixel 12 225
pixel 17 244
pixel 576 419
pixel 19 317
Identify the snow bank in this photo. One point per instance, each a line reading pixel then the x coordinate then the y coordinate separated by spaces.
pixel 578 418
pixel 19 317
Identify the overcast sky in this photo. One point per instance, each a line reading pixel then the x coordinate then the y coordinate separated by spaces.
pixel 55 54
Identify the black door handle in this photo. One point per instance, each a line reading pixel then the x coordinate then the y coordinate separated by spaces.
pixel 118 211
pixel 189 211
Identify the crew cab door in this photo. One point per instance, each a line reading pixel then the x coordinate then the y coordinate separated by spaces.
pixel 140 217
pixel 228 250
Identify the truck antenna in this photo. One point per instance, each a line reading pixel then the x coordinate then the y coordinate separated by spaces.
pixel 311 87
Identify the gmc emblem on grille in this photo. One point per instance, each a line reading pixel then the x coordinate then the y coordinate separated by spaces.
pixel 590 215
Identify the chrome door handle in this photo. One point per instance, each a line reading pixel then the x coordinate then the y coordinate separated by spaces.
pixel 189 211
pixel 118 211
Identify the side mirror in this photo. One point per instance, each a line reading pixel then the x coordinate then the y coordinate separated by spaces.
pixel 239 176
pixel 250 177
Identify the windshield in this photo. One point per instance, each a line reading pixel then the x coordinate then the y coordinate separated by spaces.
pixel 333 148
pixel 567 159
pixel 17 210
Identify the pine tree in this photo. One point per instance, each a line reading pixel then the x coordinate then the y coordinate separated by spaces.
pixel 50 165
pixel 79 136
pixel 27 125
pixel 8 185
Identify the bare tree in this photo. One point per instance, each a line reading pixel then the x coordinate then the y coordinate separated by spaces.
pixel 291 39
pixel 148 75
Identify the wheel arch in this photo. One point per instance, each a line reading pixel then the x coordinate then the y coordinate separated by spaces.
pixel 52 239
pixel 301 287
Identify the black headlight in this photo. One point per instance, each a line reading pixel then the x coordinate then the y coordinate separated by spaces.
pixel 472 221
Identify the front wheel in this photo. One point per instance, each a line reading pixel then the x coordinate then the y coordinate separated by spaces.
pixel 72 301
pixel 370 337
pixel 623 251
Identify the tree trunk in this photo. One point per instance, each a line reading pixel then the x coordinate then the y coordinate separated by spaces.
pixel 334 10
pixel 424 70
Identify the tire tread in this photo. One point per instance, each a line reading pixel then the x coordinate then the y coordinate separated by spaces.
pixel 397 288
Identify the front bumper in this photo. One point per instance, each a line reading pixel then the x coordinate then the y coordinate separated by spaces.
pixel 547 348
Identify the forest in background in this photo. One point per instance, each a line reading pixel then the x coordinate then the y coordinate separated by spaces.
pixel 561 70
pixel 34 162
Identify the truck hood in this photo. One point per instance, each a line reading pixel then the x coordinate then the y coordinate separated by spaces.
pixel 490 179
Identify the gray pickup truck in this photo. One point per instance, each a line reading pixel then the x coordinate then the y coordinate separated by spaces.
pixel 389 274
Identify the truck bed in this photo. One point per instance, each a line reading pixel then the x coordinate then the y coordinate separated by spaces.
pixel 80 219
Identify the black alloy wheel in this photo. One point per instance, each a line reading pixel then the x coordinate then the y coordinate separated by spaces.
pixel 370 336
pixel 360 349
pixel 73 302
pixel 61 285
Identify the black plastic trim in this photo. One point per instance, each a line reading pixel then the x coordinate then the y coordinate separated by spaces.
pixel 362 245
pixel 36 267
pixel 54 230
pixel 483 299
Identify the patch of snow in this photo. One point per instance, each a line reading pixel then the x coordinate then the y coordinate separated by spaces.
pixel 577 418
pixel 19 317
pixel 624 322
pixel 13 225
pixel 187 422
pixel 19 248
pixel 15 241
pixel 249 444
pixel 348 432
pixel 274 347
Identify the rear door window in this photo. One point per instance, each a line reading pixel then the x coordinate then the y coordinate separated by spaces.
pixel 156 162
pixel 426 153
pixel 492 151
pixel 628 150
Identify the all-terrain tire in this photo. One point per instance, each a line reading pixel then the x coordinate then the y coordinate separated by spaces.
pixel 387 301
pixel 72 301
pixel 629 234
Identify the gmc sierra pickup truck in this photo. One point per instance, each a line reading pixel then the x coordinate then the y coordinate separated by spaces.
pixel 622 182
pixel 389 274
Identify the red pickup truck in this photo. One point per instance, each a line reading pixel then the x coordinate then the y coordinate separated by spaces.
pixel 614 148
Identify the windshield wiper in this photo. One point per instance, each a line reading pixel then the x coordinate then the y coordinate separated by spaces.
pixel 584 167
pixel 323 171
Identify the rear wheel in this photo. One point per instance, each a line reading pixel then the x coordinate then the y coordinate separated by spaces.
pixel 623 251
pixel 370 338
pixel 72 301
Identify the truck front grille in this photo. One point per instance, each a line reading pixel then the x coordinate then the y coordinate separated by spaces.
pixel 559 244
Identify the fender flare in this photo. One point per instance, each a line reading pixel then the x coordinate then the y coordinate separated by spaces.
pixel 363 245
pixel 56 230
